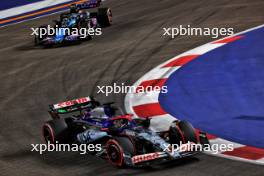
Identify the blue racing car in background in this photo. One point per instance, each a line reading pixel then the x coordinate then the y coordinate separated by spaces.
pixel 88 4
pixel 76 25
pixel 125 141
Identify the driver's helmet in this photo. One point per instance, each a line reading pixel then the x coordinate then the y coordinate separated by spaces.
pixel 120 123
pixel 109 111
pixel 84 13
pixel 98 112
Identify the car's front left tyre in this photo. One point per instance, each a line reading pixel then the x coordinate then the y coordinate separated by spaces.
pixel 182 131
pixel 117 147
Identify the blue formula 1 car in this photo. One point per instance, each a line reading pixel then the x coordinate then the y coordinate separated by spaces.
pixel 74 26
pixel 125 141
pixel 88 4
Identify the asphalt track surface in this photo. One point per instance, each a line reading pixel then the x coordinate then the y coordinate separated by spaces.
pixel 32 78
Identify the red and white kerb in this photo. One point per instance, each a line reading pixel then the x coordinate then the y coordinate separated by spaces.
pixel 147 105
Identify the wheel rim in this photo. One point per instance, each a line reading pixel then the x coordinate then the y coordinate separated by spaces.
pixel 48 135
pixel 110 16
pixel 114 154
pixel 188 132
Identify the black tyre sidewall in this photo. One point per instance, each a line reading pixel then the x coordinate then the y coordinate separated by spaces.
pixel 59 130
pixel 102 17
pixel 175 136
pixel 188 131
pixel 125 145
pixel 37 39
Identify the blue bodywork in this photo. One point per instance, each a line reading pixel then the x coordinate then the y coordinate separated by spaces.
pixel 69 23
pixel 60 35
pixel 107 120
pixel 99 123
pixel 71 20
pixel 89 4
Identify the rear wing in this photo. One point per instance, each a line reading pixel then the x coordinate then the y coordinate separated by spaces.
pixel 73 105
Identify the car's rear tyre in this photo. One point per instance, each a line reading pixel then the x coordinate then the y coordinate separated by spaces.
pixel 55 130
pixel 188 131
pixel 38 39
pixel 117 147
pixel 105 17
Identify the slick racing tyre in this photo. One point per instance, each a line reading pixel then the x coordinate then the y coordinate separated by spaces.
pixel 38 39
pixel 117 147
pixel 175 134
pixel 188 131
pixel 55 130
pixel 105 17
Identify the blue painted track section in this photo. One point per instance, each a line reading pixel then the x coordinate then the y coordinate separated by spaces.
pixel 32 12
pixel 222 91
pixel 7 4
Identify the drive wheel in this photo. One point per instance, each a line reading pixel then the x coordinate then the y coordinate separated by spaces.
pixel 175 135
pixel 55 130
pixel 188 131
pixel 38 39
pixel 117 147
pixel 105 17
